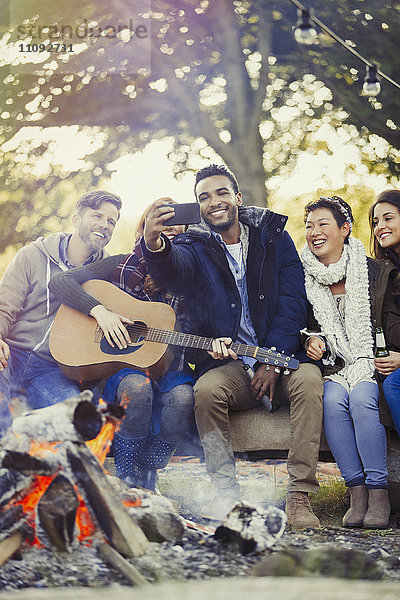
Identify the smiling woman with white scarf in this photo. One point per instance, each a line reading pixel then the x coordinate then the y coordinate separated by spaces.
pixel 338 278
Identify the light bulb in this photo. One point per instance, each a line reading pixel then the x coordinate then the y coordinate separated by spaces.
pixel 371 86
pixel 304 32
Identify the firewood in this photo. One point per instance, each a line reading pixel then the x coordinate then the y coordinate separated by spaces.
pixel 9 546
pixel 111 516
pixel 11 483
pixel 75 419
pixel 10 516
pixel 25 463
pixel 12 519
pixel 117 561
pixel 57 511
pixel 251 529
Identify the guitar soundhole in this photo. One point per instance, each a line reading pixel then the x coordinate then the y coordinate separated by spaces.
pixel 137 331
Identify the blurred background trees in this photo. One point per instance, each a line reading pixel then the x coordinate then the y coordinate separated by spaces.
pixel 221 79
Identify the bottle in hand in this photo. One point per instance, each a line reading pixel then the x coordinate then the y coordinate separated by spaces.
pixel 380 346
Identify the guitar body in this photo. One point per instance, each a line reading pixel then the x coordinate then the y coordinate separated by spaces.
pixel 82 352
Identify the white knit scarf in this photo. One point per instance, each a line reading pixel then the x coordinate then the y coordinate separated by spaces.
pixel 353 339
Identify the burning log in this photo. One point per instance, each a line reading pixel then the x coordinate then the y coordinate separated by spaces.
pixel 111 516
pixel 120 563
pixel 250 529
pixel 14 530
pixel 57 511
pixel 12 519
pixel 12 483
pixel 75 419
pixel 25 463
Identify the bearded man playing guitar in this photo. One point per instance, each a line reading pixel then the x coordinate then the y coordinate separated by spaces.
pixel 159 410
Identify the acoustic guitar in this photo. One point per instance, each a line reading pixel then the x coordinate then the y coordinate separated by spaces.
pixel 78 345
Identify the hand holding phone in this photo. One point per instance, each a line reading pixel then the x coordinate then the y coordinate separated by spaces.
pixel 185 214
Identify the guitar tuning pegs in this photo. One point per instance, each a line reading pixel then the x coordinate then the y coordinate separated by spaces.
pixel 286 372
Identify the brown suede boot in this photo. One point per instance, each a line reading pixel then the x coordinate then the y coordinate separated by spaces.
pixel 378 513
pixel 358 506
pixel 299 512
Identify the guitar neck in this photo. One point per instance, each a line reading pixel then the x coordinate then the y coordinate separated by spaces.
pixel 189 340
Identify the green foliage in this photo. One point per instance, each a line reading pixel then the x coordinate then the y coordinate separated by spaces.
pixel 372 29
pixel 224 78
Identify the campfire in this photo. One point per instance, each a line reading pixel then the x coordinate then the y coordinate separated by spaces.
pixel 52 483
pixel 54 493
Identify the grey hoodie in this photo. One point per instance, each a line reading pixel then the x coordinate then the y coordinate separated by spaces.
pixel 27 308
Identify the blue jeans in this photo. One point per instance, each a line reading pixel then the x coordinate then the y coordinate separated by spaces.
pixel 355 435
pixel 391 389
pixel 141 400
pixel 40 381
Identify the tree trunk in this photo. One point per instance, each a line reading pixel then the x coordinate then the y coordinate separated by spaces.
pixel 252 184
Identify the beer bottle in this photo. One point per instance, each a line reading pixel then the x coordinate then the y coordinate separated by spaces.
pixel 380 348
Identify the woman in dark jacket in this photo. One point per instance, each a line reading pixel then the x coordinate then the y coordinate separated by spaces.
pixel 338 281
pixel 158 413
pixel 384 218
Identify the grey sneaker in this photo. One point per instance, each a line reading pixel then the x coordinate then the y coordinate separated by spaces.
pixel 222 503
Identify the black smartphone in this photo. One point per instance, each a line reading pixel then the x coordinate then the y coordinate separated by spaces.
pixel 185 214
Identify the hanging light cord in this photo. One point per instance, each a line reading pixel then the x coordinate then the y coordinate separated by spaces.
pixel 344 44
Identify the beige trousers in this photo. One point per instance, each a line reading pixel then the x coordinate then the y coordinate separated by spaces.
pixel 227 388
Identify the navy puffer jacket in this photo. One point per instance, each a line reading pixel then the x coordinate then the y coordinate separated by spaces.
pixel 196 266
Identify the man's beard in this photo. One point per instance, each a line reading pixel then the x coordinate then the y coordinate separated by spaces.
pixel 93 245
pixel 226 224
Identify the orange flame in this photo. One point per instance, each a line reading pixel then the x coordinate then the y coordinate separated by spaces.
pixel 30 500
pixel 99 447
pixel 37 489
pixel 84 521
pixel 101 444
pixel 40 449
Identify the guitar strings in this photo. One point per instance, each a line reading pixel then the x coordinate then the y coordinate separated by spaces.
pixel 140 329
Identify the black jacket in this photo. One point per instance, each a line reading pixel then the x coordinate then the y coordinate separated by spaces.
pixel 196 265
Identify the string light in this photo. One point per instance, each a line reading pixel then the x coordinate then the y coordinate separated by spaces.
pixel 306 19
pixel 371 86
pixel 304 32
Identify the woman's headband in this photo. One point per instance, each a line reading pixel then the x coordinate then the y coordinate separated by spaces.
pixel 342 208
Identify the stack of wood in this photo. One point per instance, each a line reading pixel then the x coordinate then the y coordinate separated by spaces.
pixel 71 470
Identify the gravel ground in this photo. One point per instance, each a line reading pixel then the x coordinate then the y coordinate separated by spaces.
pixel 198 556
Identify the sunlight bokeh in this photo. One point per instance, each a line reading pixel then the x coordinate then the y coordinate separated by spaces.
pixel 139 178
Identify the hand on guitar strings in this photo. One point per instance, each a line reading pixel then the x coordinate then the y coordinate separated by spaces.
pixel 112 325
pixel 221 349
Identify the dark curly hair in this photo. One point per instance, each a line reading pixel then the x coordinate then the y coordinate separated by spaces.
pixel 339 208
pixel 212 170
